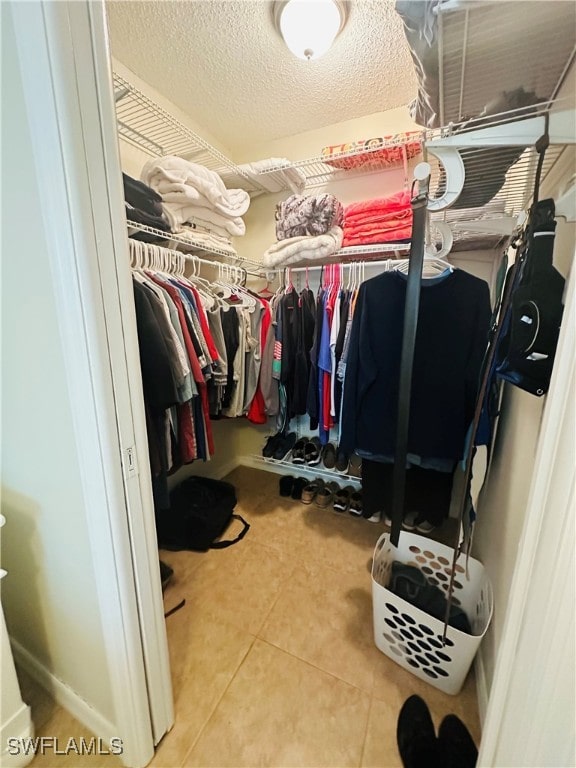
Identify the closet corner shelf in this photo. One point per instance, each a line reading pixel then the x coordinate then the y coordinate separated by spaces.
pixel 188 242
pixel 363 161
pixel 150 128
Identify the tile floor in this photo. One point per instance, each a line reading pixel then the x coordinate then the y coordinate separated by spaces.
pixel 273 660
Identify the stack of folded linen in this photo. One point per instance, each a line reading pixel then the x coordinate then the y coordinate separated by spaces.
pixel 301 215
pixel 294 250
pixel 194 195
pixel 382 220
pixel 143 206
pixel 200 237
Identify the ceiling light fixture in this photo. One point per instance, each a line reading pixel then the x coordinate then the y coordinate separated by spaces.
pixel 309 27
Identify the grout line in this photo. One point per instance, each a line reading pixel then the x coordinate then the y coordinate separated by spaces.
pixel 314 666
pixel 212 713
pixel 363 751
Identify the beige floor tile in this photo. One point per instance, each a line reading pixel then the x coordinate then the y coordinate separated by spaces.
pixel 325 618
pixel 393 683
pixel 380 750
pixel 281 712
pixel 62 727
pixel 238 585
pixel 317 535
pixel 183 563
pixel 204 655
pixel 246 480
pixel 313 690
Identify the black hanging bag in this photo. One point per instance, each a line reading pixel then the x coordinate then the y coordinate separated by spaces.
pixel 526 353
pixel 201 510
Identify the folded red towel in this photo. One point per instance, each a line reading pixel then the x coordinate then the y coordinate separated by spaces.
pixel 397 202
pixel 369 229
pixel 386 236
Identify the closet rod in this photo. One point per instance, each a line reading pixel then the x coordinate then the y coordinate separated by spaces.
pixel 218 264
pixel 315 267
pixel 191 257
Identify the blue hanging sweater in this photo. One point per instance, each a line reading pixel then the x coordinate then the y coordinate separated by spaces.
pixel 451 339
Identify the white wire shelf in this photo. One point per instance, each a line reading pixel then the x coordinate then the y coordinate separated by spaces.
pixel 284 466
pixel 347 255
pixel 147 126
pixel 352 252
pixel 487 178
pixel 189 242
pixel 488 48
pixel 359 161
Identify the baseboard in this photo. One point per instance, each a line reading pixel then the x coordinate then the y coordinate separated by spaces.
pixel 71 701
pixel 481 686
pixel 255 462
pixel 18 727
pixel 226 468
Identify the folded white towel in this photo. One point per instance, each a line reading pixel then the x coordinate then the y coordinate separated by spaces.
pixel 207 226
pixel 191 182
pixel 177 215
pixel 296 249
pixel 200 241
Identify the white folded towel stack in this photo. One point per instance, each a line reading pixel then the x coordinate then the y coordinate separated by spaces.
pixel 192 193
pixel 294 250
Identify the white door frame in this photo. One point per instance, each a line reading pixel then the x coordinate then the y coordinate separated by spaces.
pixel 66 75
pixel 64 63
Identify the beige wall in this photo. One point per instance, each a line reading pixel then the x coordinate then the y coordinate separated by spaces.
pixel 49 595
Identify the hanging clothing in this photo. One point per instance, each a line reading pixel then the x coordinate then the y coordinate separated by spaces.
pixel 451 340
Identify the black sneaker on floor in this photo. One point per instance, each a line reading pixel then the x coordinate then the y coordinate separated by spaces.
pixel 299 484
pixel 415 735
pixel 456 744
pixel 286 485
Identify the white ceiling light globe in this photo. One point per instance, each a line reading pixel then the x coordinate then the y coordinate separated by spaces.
pixel 309 27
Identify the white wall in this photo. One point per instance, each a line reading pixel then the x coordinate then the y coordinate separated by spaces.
pixel 49 595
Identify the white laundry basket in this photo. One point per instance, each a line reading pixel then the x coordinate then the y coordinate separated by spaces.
pixel 412 638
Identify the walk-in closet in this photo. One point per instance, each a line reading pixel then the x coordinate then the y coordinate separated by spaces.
pixel 307 333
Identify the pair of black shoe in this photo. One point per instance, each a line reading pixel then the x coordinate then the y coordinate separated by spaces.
pixel 278 446
pixel 419 746
pixel 292 486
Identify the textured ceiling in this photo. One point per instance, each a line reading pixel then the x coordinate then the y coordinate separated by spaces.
pixel 223 63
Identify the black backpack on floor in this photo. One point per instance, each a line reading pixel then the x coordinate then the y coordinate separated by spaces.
pixel 200 511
